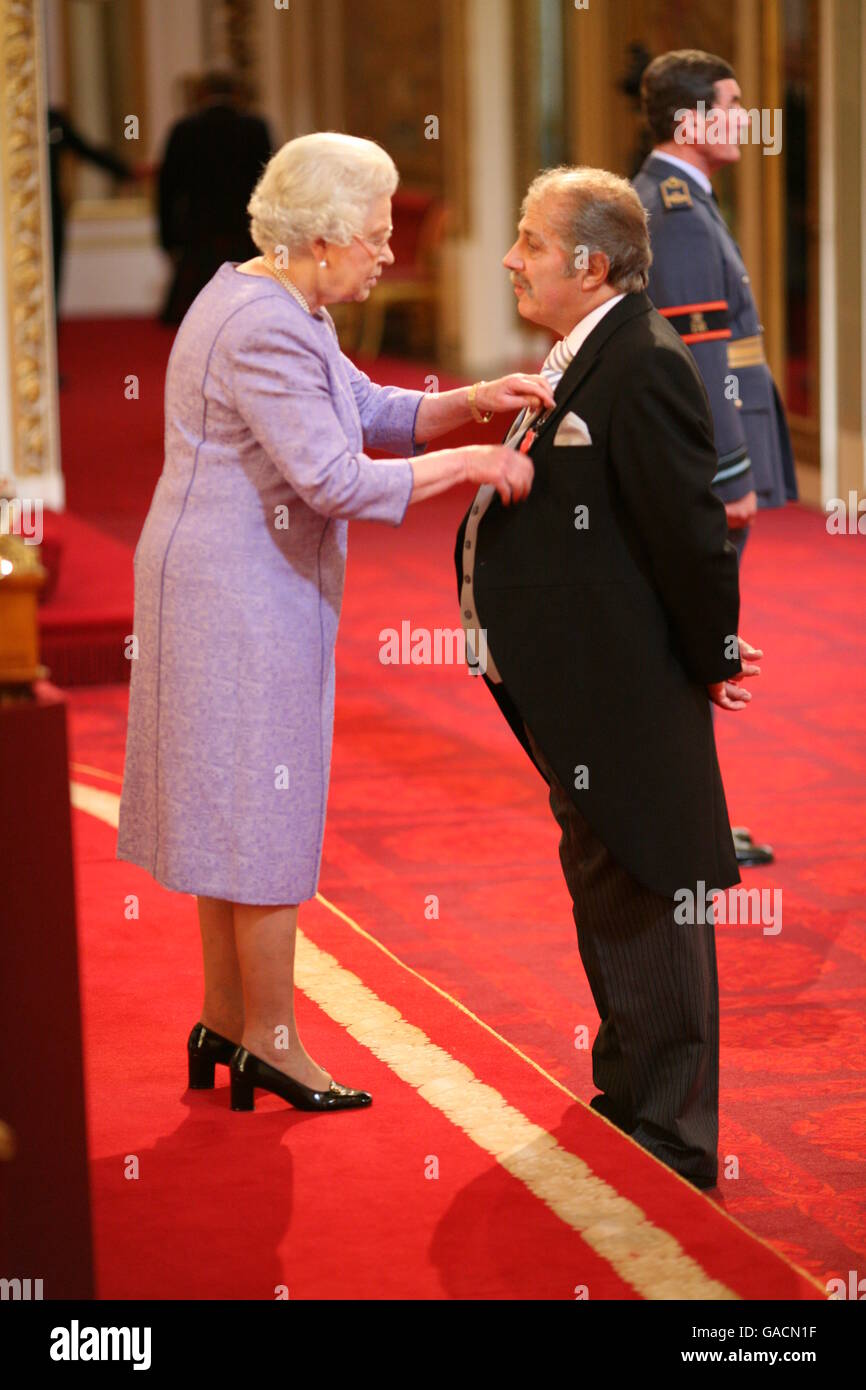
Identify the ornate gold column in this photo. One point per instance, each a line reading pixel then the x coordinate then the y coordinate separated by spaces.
pixel 29 449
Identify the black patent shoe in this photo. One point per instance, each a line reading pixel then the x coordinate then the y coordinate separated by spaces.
pixel 205 1048
pixel 247 1072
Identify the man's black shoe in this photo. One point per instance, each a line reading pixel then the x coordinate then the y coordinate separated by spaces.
pixel 705 1184
pixel 750 855
pixel 604 1106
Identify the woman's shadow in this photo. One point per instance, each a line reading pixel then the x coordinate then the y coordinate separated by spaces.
pixel 202 1212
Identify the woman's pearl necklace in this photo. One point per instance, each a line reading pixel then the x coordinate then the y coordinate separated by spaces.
pixel 287 284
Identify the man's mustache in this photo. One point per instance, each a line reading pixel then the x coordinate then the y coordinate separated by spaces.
pixel 519 280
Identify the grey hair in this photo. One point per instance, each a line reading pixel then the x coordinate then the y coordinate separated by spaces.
pixel 598 211
pixel 318 185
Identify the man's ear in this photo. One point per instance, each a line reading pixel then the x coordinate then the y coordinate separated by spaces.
pixel 596 272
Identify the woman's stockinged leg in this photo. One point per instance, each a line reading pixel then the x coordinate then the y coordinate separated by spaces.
pixel 265 940
pixel 223 1008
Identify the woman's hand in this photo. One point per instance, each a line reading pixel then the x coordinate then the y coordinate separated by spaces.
pixel 510 473
pixel 442 411
pixel 511 393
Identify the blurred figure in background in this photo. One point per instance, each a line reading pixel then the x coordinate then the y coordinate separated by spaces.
pixel 213 158
pixel 63 138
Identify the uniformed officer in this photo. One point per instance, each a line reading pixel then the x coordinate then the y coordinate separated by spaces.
pixel 699 282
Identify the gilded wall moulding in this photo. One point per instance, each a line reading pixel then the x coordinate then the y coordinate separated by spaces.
pixel 27 274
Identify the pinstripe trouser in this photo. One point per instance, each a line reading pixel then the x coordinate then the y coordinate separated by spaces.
pixel 655 985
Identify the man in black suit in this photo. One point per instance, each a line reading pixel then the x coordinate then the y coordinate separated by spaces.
pixel 211 164
pixel 603 611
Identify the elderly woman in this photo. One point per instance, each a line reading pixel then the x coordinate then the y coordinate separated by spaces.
pixel 239 580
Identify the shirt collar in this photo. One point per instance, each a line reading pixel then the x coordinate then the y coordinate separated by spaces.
pixel 581 331
pixel 697 174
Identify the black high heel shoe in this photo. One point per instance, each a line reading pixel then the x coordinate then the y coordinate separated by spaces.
pixel 247 1072
pixel 205 1048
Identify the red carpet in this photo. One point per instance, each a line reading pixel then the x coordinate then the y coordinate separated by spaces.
pixel 228 1206
pixel 431 795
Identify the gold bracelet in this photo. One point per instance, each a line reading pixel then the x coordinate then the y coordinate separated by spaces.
pixel 483 419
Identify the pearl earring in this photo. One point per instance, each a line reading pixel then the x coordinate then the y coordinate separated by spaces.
pixel 323 264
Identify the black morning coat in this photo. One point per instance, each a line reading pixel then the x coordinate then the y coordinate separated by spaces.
pixel 607 625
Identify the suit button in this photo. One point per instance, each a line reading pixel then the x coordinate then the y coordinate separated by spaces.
pixel 467 612
pixel 468 545
pixel 467 579
pixel 760 328
pixel 475 511
pixel 746 280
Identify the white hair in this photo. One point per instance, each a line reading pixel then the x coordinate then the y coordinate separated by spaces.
pixel 318 185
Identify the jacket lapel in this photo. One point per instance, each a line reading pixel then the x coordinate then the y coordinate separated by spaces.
pixel 582 363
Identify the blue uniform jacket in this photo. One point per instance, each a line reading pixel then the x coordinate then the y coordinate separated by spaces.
pixel 699 283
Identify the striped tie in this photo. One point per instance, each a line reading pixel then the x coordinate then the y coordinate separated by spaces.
pixel 555 364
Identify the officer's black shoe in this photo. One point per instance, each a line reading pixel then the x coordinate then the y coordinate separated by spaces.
pixel 750 855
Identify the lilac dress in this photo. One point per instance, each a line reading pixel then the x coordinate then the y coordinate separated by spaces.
pixel 238 585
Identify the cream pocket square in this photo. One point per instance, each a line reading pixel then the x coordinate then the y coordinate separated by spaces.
pixel 572 430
